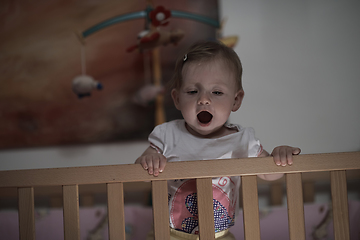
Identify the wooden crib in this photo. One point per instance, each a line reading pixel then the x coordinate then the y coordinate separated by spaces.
pixel 115 176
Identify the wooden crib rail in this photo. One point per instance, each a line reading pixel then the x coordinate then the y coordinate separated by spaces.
pixel 203 171
pixel 179 170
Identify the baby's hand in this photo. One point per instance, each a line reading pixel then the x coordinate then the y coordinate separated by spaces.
pixel 152 161
pixel 283 155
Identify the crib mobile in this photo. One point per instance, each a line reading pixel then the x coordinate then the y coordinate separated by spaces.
pixel 148 42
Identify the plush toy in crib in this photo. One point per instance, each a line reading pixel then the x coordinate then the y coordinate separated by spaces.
pixel 84 84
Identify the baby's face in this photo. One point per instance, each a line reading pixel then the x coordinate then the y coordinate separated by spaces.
pixel 207 96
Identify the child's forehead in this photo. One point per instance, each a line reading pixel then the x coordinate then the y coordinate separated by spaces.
pixel 214 65
pixel 208 63
pixel 208 71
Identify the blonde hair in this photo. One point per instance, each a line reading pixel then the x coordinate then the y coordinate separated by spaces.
pixel 207 51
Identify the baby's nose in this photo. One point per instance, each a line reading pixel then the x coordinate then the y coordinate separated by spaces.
pixel 204 99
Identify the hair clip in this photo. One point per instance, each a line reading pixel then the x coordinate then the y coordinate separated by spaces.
pixel 185 57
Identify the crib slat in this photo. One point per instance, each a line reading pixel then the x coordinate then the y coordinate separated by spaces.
pixel 71 212
pixel 250 207
pixel 205 208
pixel 340 205
pixel 295 206
pixel 26 213
pixel 115 198
pixel 160 209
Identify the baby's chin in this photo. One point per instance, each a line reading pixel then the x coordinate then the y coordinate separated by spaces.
pixel 205 132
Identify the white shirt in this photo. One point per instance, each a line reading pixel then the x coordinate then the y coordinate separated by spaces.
pixel 173 140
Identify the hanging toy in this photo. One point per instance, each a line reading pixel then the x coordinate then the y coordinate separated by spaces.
pixel 83 85
pixel 159 16
pixel 229 41
pixel 147 94
pixel 155 38
pixel 149 39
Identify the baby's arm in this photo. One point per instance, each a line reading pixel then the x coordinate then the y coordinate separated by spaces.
pixel 282 156
pixel 152 161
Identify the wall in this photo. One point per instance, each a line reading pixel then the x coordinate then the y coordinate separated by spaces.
pixel 301 63
pixel 301 78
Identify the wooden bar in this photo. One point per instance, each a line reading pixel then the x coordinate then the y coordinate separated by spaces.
pixel 160 210
pixel 26 213
pixel 339 164
pixel 250 207
pixel 71 212
pixel 205 208
pixel 340 205
pixel 116 215
pixel 177 170
pixel 146 186
pixel 295 206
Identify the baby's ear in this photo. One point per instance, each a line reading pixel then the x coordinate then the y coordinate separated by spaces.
pixel 175 98
pixel 239 96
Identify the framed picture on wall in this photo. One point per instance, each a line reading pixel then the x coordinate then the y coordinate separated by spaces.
pixel 45 47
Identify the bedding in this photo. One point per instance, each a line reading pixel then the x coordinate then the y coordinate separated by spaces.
pixel 138 221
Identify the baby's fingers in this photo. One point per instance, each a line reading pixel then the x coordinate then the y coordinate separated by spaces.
pixel 289 158
pixel 156 164
pixel 150 165
pixel 143 163
pixel 162 163
pixel 296 151
pixel 283 155
pixel 154 167
pixel 276 156
pixel 159 164
pixel 290 152
pixel 153 164
pixel 146 163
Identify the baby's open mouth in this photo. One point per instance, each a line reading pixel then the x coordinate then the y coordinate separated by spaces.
pixel 204 117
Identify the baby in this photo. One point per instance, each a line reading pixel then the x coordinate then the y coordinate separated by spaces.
pixel 206 88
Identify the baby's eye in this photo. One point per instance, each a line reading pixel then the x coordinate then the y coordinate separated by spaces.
pixel 217 93
pixel 192 92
